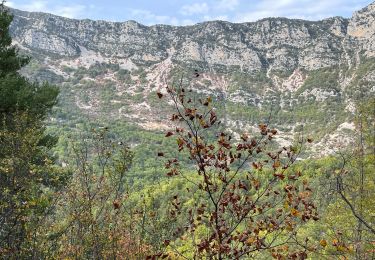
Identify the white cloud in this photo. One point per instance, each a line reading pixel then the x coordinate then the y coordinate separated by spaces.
pixel 74 11
pixel 196 8
pixel 10 4
pixel 209 9
pixel 301 9
pixel 149 18
pixel 216 18
pixel 34 5
pixel 228 5
pixel 202 10
pixel 69 11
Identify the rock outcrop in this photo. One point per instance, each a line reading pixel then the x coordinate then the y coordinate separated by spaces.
pixel 281 43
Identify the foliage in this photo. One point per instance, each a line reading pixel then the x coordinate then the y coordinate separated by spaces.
pixel 10 62
pixel 91 221
pixel 224 196
pixel 28 176
pixel 345 188
pixel 326 78
pixel 247 201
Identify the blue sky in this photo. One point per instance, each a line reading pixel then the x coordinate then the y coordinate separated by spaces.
pixel 184 12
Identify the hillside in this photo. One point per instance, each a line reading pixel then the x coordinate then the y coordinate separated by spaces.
pixel 307 75
pixel 212 141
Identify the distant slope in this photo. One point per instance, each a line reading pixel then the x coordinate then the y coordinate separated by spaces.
pixel 306 72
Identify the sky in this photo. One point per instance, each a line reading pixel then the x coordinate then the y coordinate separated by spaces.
pixel 187 12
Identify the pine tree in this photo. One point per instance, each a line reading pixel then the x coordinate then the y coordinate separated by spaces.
pixel 28 176
pixel 10 62
pixel 16 92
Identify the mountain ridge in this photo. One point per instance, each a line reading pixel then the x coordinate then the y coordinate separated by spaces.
pixel 39 13
pixel 255 40
pixel 307 70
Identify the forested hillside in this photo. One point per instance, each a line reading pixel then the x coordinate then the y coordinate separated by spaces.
pixel 212 141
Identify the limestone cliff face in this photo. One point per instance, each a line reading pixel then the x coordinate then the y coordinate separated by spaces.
pixel 362 29
pixel 282 44
pixel 309 73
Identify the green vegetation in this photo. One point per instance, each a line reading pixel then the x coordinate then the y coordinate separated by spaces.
pixel 80 183
pixel 326 79
pixel 29 178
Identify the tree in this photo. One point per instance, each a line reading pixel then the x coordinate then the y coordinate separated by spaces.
pixel 344 192
pixel 91 221
pixel 28 176
pixel 246 200
pixel 16 92
pixel 355 179
pixel 10 61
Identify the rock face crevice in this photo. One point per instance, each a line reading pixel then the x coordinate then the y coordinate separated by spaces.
pixel 284 44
